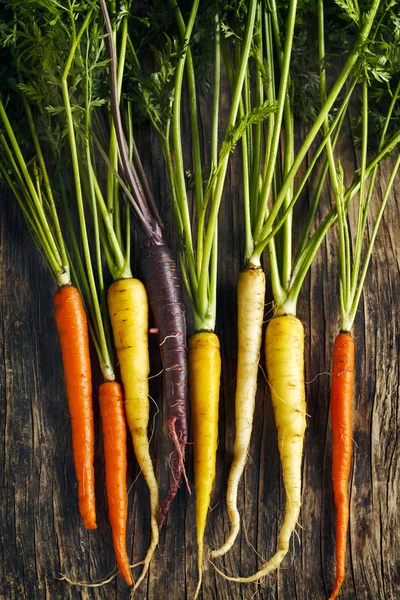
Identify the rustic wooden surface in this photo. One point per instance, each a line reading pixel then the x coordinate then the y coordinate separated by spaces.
pixel 41 534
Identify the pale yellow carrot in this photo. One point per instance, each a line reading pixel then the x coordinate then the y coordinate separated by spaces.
pixel 250 296
pixel 284 349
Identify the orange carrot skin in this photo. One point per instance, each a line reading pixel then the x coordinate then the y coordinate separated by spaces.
pixel 74 339
pixel 111 400
pixel 341 412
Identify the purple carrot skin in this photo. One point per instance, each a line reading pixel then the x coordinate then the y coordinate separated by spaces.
pixel 162 284
pixel 160 276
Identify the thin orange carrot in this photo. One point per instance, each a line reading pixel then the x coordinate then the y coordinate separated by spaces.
pixel 74 339
pixel 341 411
pixel 111 399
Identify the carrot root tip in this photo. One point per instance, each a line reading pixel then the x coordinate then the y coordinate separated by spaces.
pixel 178 470
pixel 180 450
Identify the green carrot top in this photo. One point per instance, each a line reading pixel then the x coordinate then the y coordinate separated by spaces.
pixel 57 54
pixel 161 96
pixel 270 160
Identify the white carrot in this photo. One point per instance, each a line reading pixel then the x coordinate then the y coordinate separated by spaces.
pixel 250 295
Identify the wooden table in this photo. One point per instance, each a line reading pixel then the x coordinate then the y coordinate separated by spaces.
pixel 40 528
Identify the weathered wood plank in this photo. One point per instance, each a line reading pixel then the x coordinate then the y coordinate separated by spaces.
pixel 40 531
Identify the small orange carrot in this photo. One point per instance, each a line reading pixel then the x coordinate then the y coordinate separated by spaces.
pixel 74 339
pixel 111 400
pixel 341 411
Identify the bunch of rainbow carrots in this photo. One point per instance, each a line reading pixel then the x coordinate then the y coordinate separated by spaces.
pixel 77 79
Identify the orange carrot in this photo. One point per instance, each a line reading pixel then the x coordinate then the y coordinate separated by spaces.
pixel 111 399
pixel 341 411
pixel 73 330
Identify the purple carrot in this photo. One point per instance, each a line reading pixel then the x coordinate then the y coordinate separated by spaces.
pixel 162 284
pixel 164 290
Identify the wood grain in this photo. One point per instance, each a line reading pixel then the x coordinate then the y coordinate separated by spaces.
pixel 41 534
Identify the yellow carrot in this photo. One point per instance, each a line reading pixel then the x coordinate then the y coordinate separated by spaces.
pixel 128 309
pixel 284 349
pixel 250 295
pixel 204 382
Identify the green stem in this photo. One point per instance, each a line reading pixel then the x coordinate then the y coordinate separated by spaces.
pixel 348 323
pixel 258 132
pixel 351 191
pixel 304 261
pixel 127 211
pixel 106 367
pixel 112 183
pixel 127 262
pixel 321 56
pixel 216 94
pixel 325 167
pixel 193 114
pixel 356 285
pixel 261 246
pixel 202 295
pixel 213 283
pixel 119 258
pixel 124 186
pixel 186 285
pixel 90 188
pixel 288 121
pixel 112 267
pixel 79 197
pixel 318 189
pixel 34 226
pixel 307 259
pixel 247 108
pixel 337 87
pixel 282 94
pixel 75 43
pixel 47 233
pixel 77 254
pixel 337 182
pixel 372 176
pixel 53 210
pixel 181 196
pixel 201 219
pixel 246 193
pixel 185 266
pixel 172 183
pixel 362 207
pixel 271 96
pixel 265 236
pixel 344 258
pixel 104 357
pixel 278 292
pixel 72 19
pixel 287 226
pixel 17 172
pixel 337 178
pixel 384 151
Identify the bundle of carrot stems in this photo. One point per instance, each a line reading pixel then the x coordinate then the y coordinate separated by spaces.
pixel 277 82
